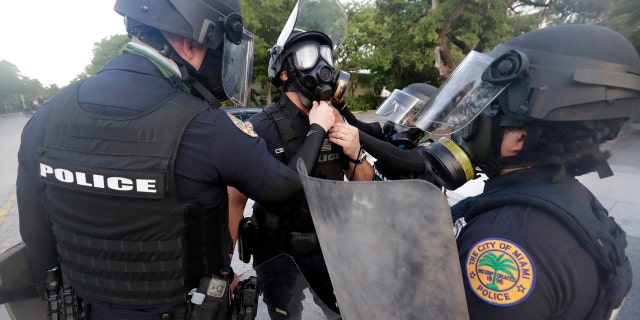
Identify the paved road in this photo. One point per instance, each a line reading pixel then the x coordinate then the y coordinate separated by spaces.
pixel 618 193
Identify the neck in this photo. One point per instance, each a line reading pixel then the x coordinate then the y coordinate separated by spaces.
pixel 295 98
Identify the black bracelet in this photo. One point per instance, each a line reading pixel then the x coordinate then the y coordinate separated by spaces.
pixel 361 157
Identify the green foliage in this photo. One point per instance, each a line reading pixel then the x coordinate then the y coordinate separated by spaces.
pixel 394 39
pixel 15 87
pixel 104 50
pixel 624 17
pixel 265 19
pixel 368 101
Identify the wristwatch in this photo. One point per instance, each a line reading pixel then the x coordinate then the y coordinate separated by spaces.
pixel 362 156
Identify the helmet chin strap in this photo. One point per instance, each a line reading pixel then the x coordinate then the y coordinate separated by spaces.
pixel 186 70
pixel 156 40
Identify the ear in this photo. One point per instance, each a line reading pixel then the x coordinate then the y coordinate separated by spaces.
pixel 188 47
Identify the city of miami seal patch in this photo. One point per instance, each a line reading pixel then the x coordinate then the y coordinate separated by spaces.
pixel 246 127
pixel 500 272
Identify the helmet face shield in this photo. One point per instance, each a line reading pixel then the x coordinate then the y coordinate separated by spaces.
pixel 401 107
pixel 461 98
pixel 324 16
pixel 237 65
pixel 306 57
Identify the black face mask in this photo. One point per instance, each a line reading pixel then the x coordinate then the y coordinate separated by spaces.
pixel 315 84
pixel 210 73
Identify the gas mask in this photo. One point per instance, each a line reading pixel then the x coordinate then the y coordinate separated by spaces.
pixel 210 73
pixel 400 108
pixel 460 112
pixel 401 136
pixel 313 74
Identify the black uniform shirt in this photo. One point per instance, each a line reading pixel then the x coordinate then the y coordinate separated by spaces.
pixel 214 151
pixel 544 271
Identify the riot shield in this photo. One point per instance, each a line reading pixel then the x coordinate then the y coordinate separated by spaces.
pixel 285 294
pixel 389 248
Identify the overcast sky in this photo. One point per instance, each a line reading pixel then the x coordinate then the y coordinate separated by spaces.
pixel 52 40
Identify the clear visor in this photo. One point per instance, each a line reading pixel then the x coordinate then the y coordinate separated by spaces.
pixel 461 98
pixel 325 16
pixel 307 56
pixel 400 107
pixel 237 64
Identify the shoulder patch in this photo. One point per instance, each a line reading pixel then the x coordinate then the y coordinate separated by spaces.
pixel 500 272
pixel 246 127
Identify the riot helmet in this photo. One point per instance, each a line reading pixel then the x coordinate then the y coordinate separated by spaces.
pixel 217 24
pixel 399 108
pixel 570 87
pixel 305 49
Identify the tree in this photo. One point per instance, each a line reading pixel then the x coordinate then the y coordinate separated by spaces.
pixel 265 19
pixel 103 51
pixel 14 88
pixel 624 17
pixel 497 264
pixel 10 82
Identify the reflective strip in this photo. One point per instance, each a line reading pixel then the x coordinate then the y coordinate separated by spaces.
pixel 119 245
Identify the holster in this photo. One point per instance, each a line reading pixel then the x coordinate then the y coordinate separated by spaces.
pixel 295 233
pixel 245 300
pixel 247 239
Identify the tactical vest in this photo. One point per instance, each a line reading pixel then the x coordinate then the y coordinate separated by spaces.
pixel 123 235
pixel 281 221
pixel 330 160
pixel 589 222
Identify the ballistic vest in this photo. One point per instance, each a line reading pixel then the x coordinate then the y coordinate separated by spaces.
pixel 123 235
pixel 295 215
pixel 589 222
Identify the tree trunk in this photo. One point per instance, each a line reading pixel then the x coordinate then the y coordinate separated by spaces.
pixel 443 53
pixel 268 92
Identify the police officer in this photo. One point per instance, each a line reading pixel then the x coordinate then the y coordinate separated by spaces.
pixel 532 115
pixel 122 177
pixel 302 68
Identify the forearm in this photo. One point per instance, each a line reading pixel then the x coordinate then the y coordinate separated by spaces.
pixel 363 171
pixel 408 161
pixel 373 128
pixel 237 203
pixel 310 149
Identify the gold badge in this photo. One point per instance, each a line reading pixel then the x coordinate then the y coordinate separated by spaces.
pixel 500 272
pixel 246 127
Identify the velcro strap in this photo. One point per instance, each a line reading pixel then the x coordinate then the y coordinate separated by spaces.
pixel 608 78
pixel 104 133
pixel 121 266
pixel 118 245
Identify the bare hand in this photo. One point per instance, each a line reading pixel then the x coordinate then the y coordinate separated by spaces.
pixel 346 136
pixel 322 114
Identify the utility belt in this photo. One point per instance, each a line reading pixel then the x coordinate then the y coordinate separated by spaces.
pixel 210 301
pixel 294 234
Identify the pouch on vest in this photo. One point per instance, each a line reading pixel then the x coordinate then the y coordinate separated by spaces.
pixel 211 300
